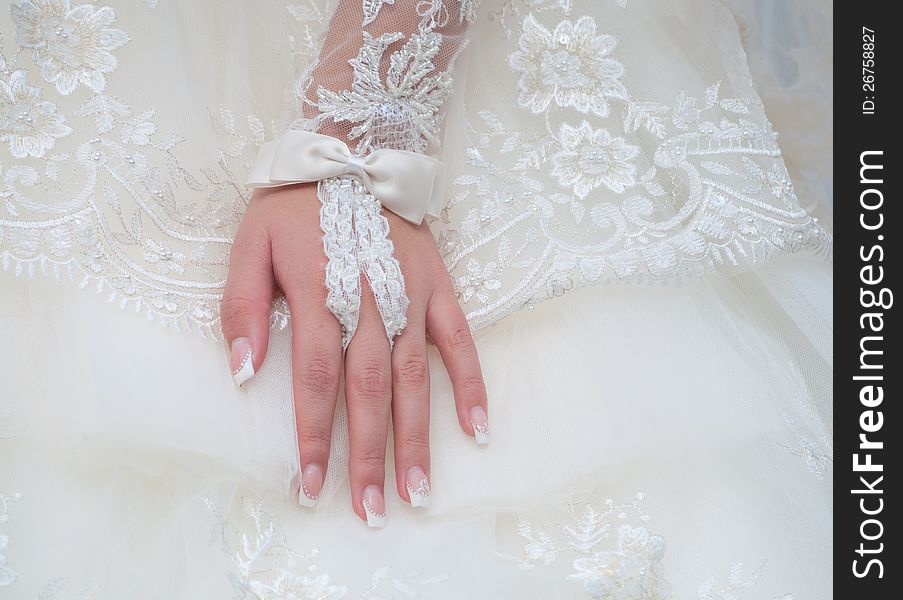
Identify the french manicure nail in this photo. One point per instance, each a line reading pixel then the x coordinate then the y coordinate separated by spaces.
pixel 241 360
pixel 480 423
pixel 374 506
pixel 418 487
pixel 311 485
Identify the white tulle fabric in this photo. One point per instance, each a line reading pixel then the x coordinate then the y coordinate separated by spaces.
pixel 649 442
pixel 706 399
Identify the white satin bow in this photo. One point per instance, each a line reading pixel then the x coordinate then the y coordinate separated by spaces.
pixel 407 183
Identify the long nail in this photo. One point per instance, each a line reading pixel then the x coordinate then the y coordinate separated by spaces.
pixel 374 506
pixel 311 485
pixel 418 486
pixel 480 423
pixel 241 360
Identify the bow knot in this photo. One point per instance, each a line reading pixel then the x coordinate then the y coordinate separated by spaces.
pixel 355 166
pixel 407 183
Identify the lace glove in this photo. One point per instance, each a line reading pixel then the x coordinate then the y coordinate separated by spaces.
pixel 369 114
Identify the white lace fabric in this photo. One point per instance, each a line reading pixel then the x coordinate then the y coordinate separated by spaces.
pixel 607 154
pixel 575 153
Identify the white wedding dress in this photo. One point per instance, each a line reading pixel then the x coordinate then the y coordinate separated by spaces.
pixel 651 303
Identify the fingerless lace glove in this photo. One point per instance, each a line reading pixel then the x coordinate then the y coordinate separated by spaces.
pixel 368 119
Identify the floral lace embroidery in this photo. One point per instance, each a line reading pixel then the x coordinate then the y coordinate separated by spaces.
pixel 436 14
pixel 812 440
pixel 98 193
pixel 611 561
pixel 714 197
pixel 104 205
pixel 570 65
pixel 72 46
pixel 632 570
pixel 592 157
pixel 816 449
pixel 614 556
pixel 401 112
pixel 738 581
pixel 29 123
pixel 265 568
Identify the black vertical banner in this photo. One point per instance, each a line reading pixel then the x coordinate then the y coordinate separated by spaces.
pixel 868 369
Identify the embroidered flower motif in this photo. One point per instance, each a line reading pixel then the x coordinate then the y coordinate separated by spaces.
pixel 685 111
pixel 738 584
pixel 301 587
pixel 71 45
pixel 479 280
pixel 632 572
pixel 29 123
pixel 167 261
pixel 569 65
pixel 400 112
pixel 775 180
pixel 592 157
pixel 265 568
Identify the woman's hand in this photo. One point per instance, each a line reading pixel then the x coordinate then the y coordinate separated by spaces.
pixel 279 245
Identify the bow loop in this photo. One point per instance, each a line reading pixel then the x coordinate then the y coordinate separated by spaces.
pixel 407 183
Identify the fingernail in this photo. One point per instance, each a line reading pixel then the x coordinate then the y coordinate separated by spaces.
pixel 241 360
pixel 418 487
pixel 480 423
pixel 311 484
pixel 374 506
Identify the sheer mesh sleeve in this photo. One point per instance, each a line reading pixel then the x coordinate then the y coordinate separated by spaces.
pixel 384 72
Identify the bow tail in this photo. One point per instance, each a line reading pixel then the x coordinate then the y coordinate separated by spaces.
pixel 379 265
pixel 343 282
pixel 355 240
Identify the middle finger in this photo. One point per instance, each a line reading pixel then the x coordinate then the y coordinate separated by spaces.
pixel 368 391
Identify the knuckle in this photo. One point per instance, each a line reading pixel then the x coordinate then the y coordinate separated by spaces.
pixel 371 458
pixel 239 309
pixel 314 437
pixel 473 383
pixel 319 376
pixel 415 441
pixel 371 382
pixel 460 339
pixel 412 372
pixel 302 284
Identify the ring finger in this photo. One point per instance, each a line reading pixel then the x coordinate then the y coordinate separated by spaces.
pixel 411 412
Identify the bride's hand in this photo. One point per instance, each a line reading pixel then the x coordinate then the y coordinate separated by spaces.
pixel 279 244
